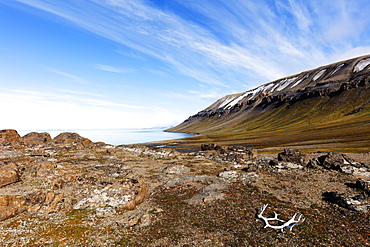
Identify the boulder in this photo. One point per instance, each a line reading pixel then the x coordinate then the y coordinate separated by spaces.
pixel 11 206
pixel 363 184
pixel 8 174
pixel 229 175
pixel 209 146
pixel 231 154
pixel 285 165
pixel 292 155
pixel 355 202
pixel 119 195
pixel 35 138
pixel 139 197
pixel 232 176
pixel 137 219
pixel 252 153
pixel 175 168
pixel 69 138
pixel 9 136
pixel 340 162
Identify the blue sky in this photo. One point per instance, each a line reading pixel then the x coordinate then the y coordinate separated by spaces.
pixel 100 64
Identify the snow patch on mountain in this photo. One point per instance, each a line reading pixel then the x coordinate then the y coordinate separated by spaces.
pixel 286 82
pixel 318 75
pixel 235 101
pixel 300 80
pixel 361 65
pixel 337 68
pixel 226 101
pixel 232 101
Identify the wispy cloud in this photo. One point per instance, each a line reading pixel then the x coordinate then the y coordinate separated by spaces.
pixel 70 76
pixel 233 41
pixel 113 69
pixel 212 95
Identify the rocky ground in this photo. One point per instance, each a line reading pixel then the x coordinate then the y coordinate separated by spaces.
pixel 69 191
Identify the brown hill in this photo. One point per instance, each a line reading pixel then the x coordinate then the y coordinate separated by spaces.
pixel 325 108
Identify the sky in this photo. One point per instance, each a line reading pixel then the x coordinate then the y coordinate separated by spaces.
pixel 109 64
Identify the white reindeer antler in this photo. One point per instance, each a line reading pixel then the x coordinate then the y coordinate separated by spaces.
pixel 281 227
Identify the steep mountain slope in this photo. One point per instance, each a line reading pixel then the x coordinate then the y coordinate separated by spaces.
pixel 328 107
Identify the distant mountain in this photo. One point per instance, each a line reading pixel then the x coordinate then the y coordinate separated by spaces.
pixel 324 107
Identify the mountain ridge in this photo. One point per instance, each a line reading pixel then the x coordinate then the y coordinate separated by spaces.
pixel 325 97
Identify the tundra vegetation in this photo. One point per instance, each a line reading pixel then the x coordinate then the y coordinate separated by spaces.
pixel 80 193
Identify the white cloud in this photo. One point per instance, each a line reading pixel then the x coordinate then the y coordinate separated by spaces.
pixel 350 53
pixel 32 109
pixel 113 69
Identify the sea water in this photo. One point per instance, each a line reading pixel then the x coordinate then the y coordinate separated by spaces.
pixel 119 136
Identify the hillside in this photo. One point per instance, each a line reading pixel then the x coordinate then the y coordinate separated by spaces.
pixel 325 108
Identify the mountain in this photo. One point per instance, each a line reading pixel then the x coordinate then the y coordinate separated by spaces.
pixel 327 108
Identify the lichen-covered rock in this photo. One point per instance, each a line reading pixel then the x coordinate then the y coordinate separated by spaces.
pixel 35 138
pixel 233 176
pixel 161 153
pixel 356 202
pixel 340 162
pixel 69 138
pixel 210 193
pixel 229 175
pixel 230 154
pixel 247 153
pixel 121 195
pixel 140 195
pixel 137 219
pixel 285 165
pixel 8 173
pixel 9 136
pixel 337 161
pixel 175 168
pixel 10 206
pixel 292 155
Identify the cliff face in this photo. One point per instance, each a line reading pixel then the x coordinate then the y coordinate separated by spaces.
pixel 312 98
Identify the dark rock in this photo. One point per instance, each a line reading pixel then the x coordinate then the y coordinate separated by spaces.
pixel 39 153
pixel 356 202
pixel 231 154
pixel 333 161
pixel 339 162
pixel 209 146
pixel 363 184
pixel 314 163
pixel 292 155
pixel 273 162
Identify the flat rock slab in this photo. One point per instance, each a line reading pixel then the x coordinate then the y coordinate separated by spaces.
pixel 8 174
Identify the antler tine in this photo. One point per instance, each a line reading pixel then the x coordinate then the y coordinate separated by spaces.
pixel 281 227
